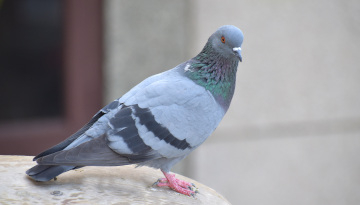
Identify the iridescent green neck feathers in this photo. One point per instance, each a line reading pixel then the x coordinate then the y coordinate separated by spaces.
pixel 215 73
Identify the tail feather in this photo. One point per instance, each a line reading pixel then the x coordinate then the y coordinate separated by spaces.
pixel 47 172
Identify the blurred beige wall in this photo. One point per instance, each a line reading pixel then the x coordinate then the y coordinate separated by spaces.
pixel 292 133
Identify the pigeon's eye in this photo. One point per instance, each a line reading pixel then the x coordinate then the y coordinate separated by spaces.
pixel 222 39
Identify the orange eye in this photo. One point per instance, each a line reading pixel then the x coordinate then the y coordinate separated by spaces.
pixel 222 39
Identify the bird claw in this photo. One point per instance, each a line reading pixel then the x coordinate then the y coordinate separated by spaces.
pixel 177 185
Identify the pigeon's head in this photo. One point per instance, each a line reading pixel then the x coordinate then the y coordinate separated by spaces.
pixel 227 41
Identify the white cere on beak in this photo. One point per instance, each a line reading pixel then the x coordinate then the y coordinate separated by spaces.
pixel 237 49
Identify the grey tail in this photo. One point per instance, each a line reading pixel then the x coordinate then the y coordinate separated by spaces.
pixel 48 172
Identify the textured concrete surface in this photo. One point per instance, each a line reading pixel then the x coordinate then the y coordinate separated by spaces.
pixel 93 185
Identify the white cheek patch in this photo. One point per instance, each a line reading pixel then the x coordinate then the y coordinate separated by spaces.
pixel 237 49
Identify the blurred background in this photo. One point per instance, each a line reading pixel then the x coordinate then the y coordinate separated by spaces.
pixel 292 133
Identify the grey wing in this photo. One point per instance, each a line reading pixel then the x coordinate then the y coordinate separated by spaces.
pixel 120 145
pixel 139 134
pixel 91 153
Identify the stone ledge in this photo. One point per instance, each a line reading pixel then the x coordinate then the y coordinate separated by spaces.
pixel 93 185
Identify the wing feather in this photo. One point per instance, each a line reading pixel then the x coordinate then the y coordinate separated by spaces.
pixel 92 153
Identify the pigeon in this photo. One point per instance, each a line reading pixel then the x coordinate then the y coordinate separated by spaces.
pixel 159 121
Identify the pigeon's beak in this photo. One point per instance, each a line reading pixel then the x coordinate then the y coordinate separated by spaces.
pixel 237 52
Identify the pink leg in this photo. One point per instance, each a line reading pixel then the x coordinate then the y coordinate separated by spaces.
pixel 178 185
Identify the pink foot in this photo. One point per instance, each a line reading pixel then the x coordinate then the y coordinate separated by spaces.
pixel 178 185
